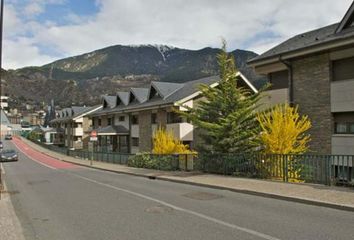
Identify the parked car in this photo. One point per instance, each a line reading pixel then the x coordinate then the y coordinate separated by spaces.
pixel 8 137
pixel 8 155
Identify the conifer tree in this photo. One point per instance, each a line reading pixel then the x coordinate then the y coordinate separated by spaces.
pixel 225 116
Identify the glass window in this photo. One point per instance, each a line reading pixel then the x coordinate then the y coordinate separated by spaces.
pixel 341 128
pixel 135 119
pixel 351 128
pixel 153 118
pixel 343 69
pixel 173 117
pixel 109 121
pixel 135 142
pixel 99 122
pixel 121 118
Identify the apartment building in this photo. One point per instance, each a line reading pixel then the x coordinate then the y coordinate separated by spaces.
pixel 4 103
pixel 315 70
pixel 72 126
pixel 128 120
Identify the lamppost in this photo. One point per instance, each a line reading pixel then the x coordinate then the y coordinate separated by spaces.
pixel 1 37
pixel 1 19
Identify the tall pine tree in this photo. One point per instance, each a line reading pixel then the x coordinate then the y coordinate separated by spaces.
pixel 225 116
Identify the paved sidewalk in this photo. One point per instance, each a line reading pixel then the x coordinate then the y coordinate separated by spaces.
pixel 10 227
pixel 334 197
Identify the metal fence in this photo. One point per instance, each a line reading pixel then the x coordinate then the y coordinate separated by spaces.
pixel 109 157
pixel 323 169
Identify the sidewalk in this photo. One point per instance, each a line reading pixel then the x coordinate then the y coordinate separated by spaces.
pixel 320 195
pixel 10 227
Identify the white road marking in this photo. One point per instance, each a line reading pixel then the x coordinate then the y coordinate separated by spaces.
pixel 43 164
pixel 200 215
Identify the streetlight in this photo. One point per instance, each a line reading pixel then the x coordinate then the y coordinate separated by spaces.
pixel 1 20
pixel 1 36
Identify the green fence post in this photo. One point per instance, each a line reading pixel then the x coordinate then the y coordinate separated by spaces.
pixel 285 168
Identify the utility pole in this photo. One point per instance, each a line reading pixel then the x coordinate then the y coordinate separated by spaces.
pixel 1 20
pixel 1 37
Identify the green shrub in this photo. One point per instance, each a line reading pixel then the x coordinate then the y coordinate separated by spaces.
pixel 150 161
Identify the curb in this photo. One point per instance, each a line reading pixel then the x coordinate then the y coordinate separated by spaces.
pixel 243 191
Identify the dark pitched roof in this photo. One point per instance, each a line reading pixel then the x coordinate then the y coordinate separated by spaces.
pixel 110 100
pixel 124 97
pixel 78 111
pixel 165 89
pixel 347 20
pixel 184 91
pixel 173 93
pixel 140 93
pixel 332 33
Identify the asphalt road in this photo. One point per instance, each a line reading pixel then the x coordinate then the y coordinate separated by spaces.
pixel 56 201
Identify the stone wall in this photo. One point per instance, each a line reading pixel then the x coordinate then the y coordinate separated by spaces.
pixel 104 121
pixel 86 124
pixel 161 118
pixel 311 76
pixel 145 131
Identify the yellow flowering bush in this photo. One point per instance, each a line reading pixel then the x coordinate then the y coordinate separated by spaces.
pixel 165 143
pixel 284 132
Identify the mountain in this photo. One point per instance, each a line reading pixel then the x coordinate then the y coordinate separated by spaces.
pixel 83 79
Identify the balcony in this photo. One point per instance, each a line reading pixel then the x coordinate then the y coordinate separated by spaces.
pixel 182 131
pixel 343 144
pixel 274 97
pixel 78 132
pixel 342 97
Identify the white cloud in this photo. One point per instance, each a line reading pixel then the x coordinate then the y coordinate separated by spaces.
pixel 193 24
pixel 34 8
pixel 23 52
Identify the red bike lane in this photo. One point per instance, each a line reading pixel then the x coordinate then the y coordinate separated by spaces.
pixel 41 158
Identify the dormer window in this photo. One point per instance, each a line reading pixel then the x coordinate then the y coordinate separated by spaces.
pixel 153 93
pixel 132 98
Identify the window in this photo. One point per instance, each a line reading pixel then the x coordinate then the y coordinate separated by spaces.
pixel 93 122
pixel 135 142
pixel 345 128
pixel 153 118
pixel 109 121
pixel 341 128
pixel 351 128
pixel 344 123
pixel 121 118
pixel 99 122
pixel 135 119
pixel 279 80
pixel 173 117
pixel 343 69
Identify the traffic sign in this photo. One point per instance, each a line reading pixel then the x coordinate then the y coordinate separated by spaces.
pixel 94 134
pixel 92 139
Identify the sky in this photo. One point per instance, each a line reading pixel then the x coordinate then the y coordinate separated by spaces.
pixel 37 32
